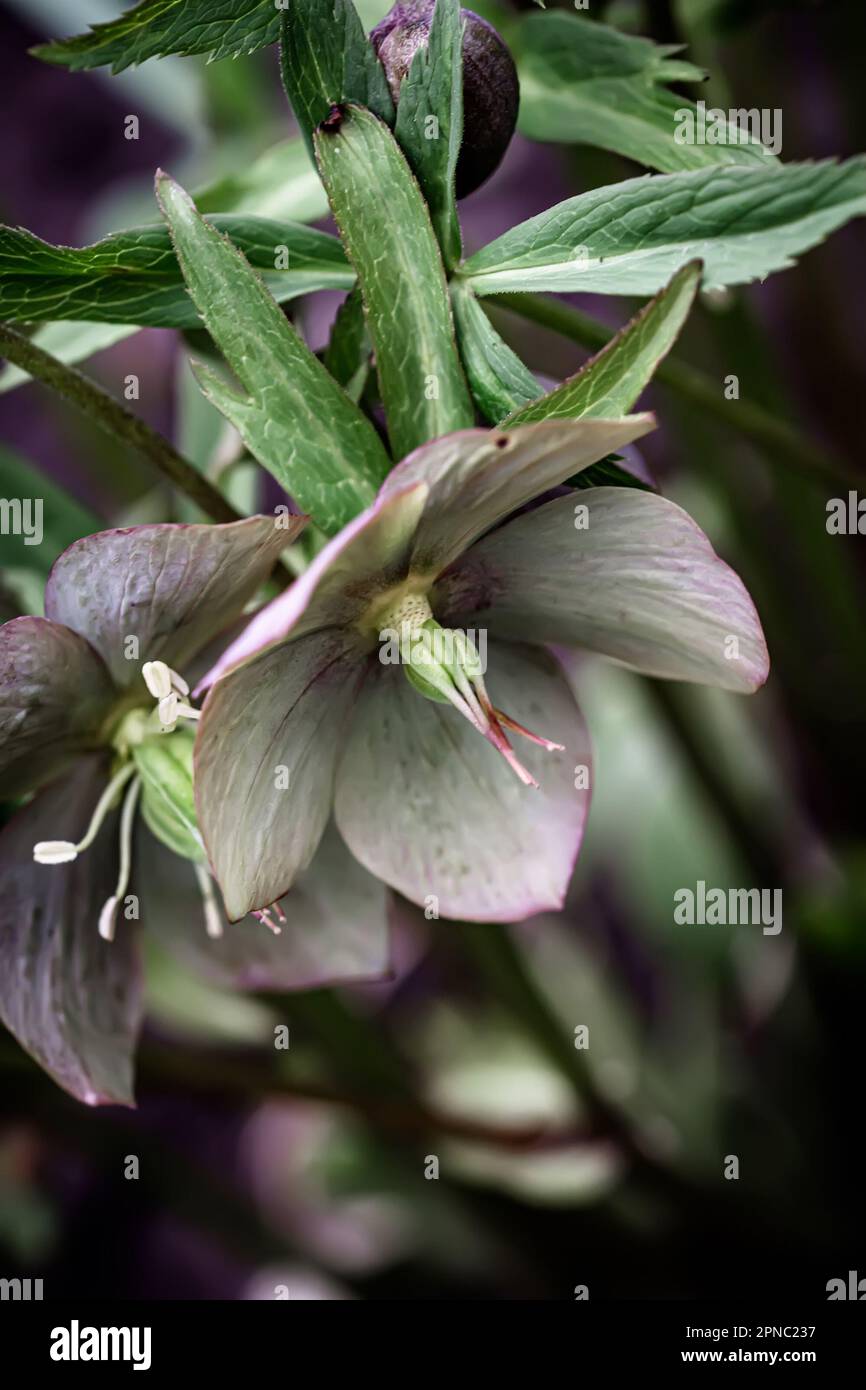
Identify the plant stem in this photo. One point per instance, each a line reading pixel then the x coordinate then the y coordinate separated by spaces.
pixel 116 420
pixel 161 1065
pixel 781 440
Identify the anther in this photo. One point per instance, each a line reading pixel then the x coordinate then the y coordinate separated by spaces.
pixel 64 851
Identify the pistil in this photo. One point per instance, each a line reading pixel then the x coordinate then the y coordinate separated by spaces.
pixel 443 664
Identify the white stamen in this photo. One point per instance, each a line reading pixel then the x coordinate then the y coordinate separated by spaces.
pixel 64 851
pixel 106 919
pixel 55 852
pixel 187 712
pixel 213 924
pixel 157 678
pixel 178 682
pixel 168 711
pixel 127 816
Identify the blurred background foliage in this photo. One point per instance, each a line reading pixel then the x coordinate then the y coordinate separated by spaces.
pixel 557 1167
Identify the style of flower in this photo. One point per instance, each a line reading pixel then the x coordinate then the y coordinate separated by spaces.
pixel 95 716
pixel 424 790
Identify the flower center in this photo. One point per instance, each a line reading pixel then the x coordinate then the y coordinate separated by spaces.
pixel 170 692
pixel 135 728
pixel 444 664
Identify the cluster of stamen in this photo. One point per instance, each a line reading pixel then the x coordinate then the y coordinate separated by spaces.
pixel 264 918
pixel 170 691
pixel 443 664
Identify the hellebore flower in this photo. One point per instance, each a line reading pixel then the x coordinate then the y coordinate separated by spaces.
pixel 94 712
pixel 424 790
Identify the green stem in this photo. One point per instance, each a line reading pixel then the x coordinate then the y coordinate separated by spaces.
pixel 163 1066
pixel 116 420
pixel 781 440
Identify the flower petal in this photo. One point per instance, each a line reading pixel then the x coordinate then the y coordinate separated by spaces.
pixel 336 932
pixel 54 694
pixel 366 556
pixel 641 583
pixel 71 999
pixel 264 763
pixel 476 478
pixel 171 587
pixel 426 804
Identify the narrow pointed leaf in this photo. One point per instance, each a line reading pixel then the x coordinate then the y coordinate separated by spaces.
pixel 584 83
pixel 391 244
pixel 156 28
pixel 499 381
pixel 429 124
pixel 609 384
pixel 325 59
pixel 349 346
pixel 294 418
pixel 133 277
pixel 630 238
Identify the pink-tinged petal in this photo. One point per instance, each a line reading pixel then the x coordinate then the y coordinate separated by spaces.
pixel 638 582
pixel 427 805
pixel 55 694
pixel 336 928
pixel 476 478
pixel 368 555
pixel 170 587
pixel 72 1000
pixel 264 763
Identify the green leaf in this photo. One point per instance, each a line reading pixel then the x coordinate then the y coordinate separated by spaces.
pixel 608 385
pixel 347 356
pixel 69 342
pixel 429 125
pixel 62 520
pixel 607 473
pixel 499 381
pixel 325 59
pixel 390 241
pixel 133 277
pixel 283 184
pixel 292 415
pixel 630 238
pixel 584 83
pixel 155 28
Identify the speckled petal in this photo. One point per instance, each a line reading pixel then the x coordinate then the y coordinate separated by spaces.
pixel 171 588
pixel 426 804
pixel 55 694
pixel 639 582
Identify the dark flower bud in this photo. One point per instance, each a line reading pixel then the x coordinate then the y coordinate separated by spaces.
pixel 490 89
